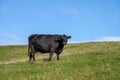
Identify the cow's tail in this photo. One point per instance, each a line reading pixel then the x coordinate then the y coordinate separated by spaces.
pixel 29 48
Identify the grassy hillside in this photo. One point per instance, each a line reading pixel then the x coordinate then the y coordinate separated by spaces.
pixel 83 61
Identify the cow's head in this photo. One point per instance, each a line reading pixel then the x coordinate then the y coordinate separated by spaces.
pixel 64 39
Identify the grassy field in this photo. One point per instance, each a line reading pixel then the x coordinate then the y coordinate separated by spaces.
pixel 82 61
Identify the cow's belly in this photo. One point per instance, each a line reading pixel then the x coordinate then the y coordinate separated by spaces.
pixel 42 50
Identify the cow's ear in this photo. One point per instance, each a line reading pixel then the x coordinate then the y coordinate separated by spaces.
pixel 68 37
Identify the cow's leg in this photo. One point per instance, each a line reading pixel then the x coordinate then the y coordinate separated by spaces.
pixel 51 54
pixel 58 58
pixel 32 53
pixel 30 56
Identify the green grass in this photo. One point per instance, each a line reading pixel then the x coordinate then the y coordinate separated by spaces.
pixel 83 61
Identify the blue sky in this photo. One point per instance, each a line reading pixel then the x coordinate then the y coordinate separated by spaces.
pixel 84 20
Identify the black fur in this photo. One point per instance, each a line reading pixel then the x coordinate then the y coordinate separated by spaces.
pixel 46 44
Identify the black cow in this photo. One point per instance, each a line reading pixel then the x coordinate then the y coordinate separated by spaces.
pixel 46 43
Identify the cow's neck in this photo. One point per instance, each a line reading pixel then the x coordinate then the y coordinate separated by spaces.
pixel 60 47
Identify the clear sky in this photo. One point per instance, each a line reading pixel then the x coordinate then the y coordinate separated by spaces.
pixel 84 20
